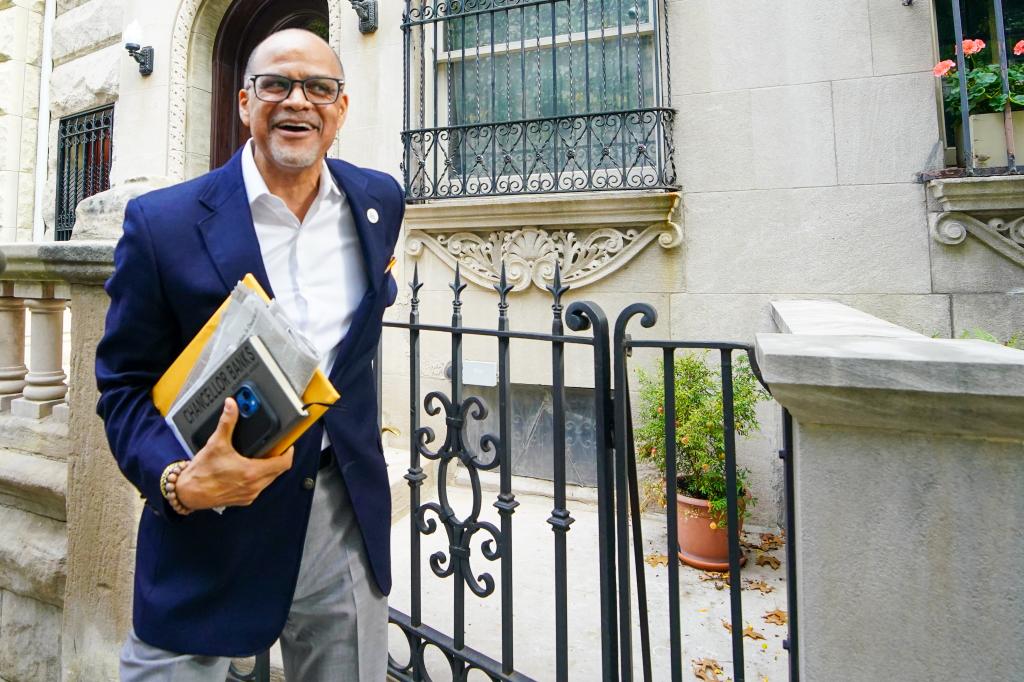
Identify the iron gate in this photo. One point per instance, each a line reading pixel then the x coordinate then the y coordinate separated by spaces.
pixel 620 536
pixel 620 540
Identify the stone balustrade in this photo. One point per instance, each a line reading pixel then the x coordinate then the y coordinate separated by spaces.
pixel 64 506
pixel 38 278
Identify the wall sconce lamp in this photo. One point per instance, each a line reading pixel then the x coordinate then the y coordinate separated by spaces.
pixel 143 55
pixel 367 11
pixel 133 41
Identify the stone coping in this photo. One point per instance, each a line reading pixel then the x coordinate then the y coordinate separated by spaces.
pixel 84 262
pixel 837 365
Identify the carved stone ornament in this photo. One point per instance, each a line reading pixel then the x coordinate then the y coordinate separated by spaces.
pixel 530 253
pixel 1006 237
pixel 589 236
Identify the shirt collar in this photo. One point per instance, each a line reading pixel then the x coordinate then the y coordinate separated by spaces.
pixel 256 187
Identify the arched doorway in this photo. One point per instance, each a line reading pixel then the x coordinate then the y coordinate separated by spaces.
pixel 244 25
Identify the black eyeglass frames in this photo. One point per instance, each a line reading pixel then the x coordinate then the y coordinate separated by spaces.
pixel 272 87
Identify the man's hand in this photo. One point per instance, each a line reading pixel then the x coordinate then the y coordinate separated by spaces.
pixel 220 477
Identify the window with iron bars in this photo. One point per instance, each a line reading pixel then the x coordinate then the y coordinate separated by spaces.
pixel 981 65
pixel 533 96
pixel 84 153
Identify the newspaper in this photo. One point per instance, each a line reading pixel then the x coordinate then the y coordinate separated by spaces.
pixel 249 315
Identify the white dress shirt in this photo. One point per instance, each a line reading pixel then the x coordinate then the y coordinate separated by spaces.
pixel 315 266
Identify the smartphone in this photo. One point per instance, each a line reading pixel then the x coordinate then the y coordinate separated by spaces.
pixel 257 424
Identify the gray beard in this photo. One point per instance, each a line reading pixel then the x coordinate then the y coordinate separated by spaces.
pixel 293 158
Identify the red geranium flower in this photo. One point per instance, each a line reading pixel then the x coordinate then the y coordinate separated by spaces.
pixel 973 46
pixel 1018 49
pixel 944 67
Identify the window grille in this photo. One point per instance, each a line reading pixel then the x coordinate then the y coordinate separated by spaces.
pixel 84 153
pixel 535 96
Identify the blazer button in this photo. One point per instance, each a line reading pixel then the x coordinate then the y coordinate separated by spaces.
pixel 307 483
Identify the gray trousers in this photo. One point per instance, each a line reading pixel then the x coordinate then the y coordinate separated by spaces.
pixel 336 630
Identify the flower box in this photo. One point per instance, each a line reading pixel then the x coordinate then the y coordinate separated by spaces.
pixel 988 140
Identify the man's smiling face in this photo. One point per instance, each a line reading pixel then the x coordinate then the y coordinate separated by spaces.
pixel 293 134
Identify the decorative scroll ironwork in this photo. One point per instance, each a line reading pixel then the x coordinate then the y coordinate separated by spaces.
pixel 84 153
pixel 508 97
pixel 470 534
pixel 619 538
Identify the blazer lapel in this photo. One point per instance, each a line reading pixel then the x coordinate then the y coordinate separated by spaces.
pixel 361 202
pixel 373 241
pixel 228 232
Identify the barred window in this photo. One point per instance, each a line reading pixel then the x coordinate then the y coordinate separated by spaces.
pixel 528 96
pixel 84 154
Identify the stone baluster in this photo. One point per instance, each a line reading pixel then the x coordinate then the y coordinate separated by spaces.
pixel 12 346
pixel 45 382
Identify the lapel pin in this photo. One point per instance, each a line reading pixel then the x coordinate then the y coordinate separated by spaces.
pixel 372 215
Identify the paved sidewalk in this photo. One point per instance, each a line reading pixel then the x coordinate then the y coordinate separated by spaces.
pixel 703 607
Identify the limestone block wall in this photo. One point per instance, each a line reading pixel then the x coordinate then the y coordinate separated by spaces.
pixel 87 55
pixel 33 548
pixel 800 137
pixel 21 24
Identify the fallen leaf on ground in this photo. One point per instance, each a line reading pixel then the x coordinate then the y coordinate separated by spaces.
pixel 707 669
pixel 656 560
pixel 767 560
pixel 759 585
pixel 721 580
pixel 750 632
pixel 775 617
pixel 770 541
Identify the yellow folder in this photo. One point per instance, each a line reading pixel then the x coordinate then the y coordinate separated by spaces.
pixel 166 390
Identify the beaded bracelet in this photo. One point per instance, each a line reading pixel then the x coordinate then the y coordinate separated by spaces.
pixel 168 483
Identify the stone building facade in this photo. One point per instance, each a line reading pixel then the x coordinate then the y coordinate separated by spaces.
pixel 801 131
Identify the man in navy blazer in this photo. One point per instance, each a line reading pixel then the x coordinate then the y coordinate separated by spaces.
pixel 212 585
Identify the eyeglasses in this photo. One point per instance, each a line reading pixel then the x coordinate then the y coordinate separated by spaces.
pixel 319 90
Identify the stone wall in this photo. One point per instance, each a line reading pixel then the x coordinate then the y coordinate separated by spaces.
pixel 33 548
pixel 21 23
pixel 908 467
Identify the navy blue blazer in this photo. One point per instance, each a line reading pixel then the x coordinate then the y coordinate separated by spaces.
pixel 222 584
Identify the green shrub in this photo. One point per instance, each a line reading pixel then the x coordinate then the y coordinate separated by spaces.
pixel 700 433
pixel 1015 341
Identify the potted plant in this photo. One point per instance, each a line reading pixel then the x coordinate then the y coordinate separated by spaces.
pixel 700 450
pixel 986 102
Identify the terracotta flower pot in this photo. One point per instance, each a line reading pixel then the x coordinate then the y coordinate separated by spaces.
pixel 700 545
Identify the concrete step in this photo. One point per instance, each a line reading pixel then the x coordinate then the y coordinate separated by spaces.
pixel 33 483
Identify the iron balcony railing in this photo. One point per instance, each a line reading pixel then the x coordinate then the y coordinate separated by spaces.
pixel 84 153
pixel 985 76
pixel 510 97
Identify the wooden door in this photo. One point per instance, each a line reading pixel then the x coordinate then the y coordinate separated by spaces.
pixel 245 24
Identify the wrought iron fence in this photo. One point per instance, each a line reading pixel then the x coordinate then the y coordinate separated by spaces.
pixel 532 96
pixel 620 537
pixel 84 153
pixel 470 539
pixel 985 76
pixel 629 532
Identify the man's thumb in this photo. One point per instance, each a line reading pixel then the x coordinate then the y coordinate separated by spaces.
pixel 228 419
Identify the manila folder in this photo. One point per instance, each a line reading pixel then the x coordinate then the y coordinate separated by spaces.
pixel 166 390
